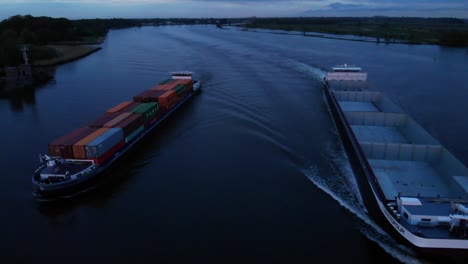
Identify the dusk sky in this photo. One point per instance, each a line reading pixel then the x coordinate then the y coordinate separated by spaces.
pixel 75 9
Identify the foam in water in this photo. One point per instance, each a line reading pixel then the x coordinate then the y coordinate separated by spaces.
pixel 348 196
pixel 316 73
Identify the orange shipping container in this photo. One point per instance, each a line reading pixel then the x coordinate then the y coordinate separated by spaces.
pixel 167 98
pixel 171 85
pixel 159 87
pixel 117 120
pixel 162 87
pixel 168 95
pixel 79 151
pixel 118 107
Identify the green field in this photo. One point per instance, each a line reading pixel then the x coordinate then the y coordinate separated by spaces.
pixel 441 31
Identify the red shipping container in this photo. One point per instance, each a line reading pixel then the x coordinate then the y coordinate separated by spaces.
pixel 63 146
pixel 167 106
pixel 153 95
pixel 171 85
pixel 140 97
pixel 103 119
pixel 117 120
pixel 106 156
pixel 167 98
pixel 130 124
pixel 167 86
pixel 160 87
pixel 129 107
pixel 118 107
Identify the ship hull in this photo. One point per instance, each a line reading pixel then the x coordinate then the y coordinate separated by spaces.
pixel 74 186
pixel 373 196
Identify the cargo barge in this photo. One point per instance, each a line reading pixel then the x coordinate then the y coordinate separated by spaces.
pixel 413 186
pixel 79 156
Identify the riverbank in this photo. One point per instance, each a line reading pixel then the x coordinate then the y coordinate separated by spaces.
pixel 84 41
pixel 330 36
pixel 47 39
pixel 67 53
pixel 438 31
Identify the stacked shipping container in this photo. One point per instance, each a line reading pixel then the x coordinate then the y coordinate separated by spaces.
pixel 105 145
pixel 147 110
pixel 102 137
pixel 79 148
pixel 119 107
pixel 167 100
pixel 171 85
pixel 107 134
pixel 63 147
pixel 103 119
pixel 117 119
pixel 148 96
pixel 130 124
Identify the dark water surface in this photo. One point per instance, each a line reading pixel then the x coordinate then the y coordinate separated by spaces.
pixel 250 170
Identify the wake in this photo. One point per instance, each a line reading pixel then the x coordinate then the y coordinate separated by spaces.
pixel 341 185
pixel 310 71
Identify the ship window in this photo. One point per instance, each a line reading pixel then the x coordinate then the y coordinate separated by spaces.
pixel 425 219
pixel 405 215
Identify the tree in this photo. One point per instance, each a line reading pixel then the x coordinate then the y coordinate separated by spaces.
pixel 9 34
pixel 11 53
pixel 28 37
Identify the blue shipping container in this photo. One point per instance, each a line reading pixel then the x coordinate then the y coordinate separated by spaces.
pixel 104 142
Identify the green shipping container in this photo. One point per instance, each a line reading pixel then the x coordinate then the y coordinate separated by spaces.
pixel 148 110
pixel 134 134
pixel 179 89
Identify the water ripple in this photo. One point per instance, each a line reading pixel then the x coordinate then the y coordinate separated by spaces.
pixel 349 197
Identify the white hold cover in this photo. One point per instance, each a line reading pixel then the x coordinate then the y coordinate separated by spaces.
pixel 347 76
pixel 410 201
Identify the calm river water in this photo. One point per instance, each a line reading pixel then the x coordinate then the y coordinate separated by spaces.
pixel 251 170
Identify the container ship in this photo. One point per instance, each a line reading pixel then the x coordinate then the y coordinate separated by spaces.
pixel 410 183
pixel 79 156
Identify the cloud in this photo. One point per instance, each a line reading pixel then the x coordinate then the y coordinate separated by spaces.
pixel 154 8
pixel 341 6
pixel 231 8
pixel 259 1
pixel 417 8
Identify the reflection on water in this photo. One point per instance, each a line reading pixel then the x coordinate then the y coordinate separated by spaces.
pixel 20 97
pixel 229 171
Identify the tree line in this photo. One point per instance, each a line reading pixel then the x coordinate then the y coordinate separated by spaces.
pixel 39 31
pixel 443 31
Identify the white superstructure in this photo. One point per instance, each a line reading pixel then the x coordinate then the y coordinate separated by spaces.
pixel 346 73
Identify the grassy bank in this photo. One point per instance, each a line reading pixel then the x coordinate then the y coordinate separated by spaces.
pixel 36 32
pixel 84 41
pixel 441 31
pixel 43 35
pixel 66 53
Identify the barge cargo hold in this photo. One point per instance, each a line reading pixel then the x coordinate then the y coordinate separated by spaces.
pixel 410 183
pixel 78 157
